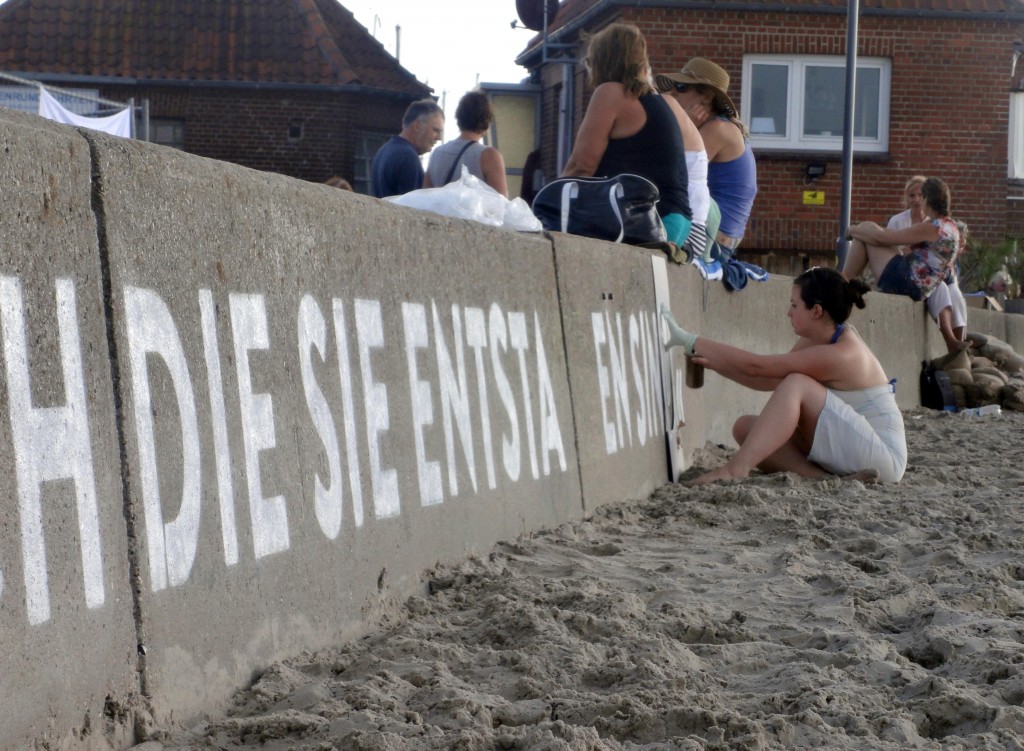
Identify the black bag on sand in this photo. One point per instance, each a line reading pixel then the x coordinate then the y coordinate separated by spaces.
pixel 618 209
pixel 936 390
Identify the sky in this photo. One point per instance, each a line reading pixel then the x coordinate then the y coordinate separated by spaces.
pixel 451 46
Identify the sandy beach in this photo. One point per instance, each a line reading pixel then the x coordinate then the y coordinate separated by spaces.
pixel 772 613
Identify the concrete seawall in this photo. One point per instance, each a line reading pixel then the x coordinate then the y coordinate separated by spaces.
pixel 243 415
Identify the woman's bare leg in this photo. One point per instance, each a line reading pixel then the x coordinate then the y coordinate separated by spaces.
pixel 778 439
pixel 954 341
pixel 861 255
pixel 856 260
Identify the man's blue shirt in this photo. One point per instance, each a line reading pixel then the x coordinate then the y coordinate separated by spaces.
pixel 396 169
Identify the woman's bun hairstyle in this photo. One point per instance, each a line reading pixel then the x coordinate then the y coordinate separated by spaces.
pixel 857 289
pixel 828 288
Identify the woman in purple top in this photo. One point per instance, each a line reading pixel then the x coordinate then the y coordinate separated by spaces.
pixel 700 87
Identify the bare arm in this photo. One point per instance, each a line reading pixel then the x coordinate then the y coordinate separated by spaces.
pixel 492 164
pixel 595 130
pixel 873 234
pixel 823 363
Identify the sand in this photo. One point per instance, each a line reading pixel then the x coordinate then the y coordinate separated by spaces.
pixel 772 613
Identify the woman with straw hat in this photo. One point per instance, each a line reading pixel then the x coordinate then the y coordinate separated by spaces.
pixel 701 88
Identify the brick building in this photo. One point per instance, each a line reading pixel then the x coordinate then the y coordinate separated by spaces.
pixel 297 87
pixel 934 96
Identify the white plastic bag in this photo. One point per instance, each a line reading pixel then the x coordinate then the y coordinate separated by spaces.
pixel 471 198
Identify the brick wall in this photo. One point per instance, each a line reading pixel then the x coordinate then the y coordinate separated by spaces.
pixel 255 128
pixel 948 116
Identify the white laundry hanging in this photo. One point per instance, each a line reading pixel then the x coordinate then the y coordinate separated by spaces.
pixel 118 124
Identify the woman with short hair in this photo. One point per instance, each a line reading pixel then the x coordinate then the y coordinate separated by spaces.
pixel 474 116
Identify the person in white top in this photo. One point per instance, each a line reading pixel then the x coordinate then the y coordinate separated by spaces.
pixel 697 180
pixel 946 304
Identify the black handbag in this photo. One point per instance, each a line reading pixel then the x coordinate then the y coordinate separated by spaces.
pixel 622 208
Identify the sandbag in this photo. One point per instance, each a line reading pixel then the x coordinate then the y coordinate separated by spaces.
pixel 980 394
pixel 989 380
pixel 1011 396
pixel 991 372
pixel 1012 363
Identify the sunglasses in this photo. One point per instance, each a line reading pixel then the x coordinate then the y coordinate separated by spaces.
pixel 682 88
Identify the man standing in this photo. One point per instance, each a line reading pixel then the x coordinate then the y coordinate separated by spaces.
pixel 396 167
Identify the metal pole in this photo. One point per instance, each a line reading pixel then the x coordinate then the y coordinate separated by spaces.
pixel 852 15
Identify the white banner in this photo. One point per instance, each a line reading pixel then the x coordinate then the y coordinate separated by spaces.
pixel 118 124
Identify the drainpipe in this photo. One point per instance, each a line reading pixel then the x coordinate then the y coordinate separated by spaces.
pixel 842 244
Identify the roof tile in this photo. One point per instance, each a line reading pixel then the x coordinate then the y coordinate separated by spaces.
pixel 286 41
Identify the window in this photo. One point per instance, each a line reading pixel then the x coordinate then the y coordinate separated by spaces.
pixel 367 145
pixel 798 103
pixel 167 133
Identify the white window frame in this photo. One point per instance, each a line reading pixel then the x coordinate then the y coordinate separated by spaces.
pixel 795 139
pixel 1015 148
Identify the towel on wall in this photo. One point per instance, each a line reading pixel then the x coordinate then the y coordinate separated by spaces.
pixel 118 124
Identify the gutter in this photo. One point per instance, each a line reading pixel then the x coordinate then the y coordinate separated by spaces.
pixel 532 53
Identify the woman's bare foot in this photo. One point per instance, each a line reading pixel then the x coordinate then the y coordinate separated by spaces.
pixel 953 344
pixel 866 476
pixel 725 472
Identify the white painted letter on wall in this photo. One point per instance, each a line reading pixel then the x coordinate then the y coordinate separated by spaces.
pixel 269 515
pixel 151 331
pixel 50 443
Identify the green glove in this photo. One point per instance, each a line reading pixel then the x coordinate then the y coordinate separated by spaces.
pixel 678 336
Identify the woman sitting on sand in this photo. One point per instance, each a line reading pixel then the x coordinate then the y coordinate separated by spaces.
pixel 832 411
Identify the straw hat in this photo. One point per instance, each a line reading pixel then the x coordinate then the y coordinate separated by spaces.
pixel 700 70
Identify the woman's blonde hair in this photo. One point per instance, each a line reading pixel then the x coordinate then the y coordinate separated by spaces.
pixel 618 53
pixel 915 181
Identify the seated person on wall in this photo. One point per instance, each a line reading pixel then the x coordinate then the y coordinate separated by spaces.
pixel 474 116
pixel 832 410
pixel 933 245
pixel 701 88
pixel 396 167
pixel 629 127
pixel 946 304
pixel 705 221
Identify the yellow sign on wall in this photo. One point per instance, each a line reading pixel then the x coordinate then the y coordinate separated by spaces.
pixel 814 198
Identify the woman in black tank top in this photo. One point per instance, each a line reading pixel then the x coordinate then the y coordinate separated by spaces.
pixel 630 127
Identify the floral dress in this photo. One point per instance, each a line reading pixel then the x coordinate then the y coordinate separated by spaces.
pixel 931 261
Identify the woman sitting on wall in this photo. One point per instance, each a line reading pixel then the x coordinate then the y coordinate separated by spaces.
pixel 701 88
pixel 629 127
pixel 832 410
pixel 933 242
